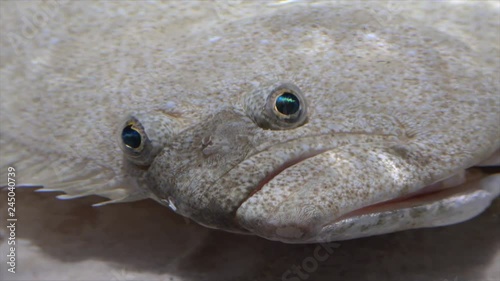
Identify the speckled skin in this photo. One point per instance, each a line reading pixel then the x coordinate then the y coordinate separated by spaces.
pixel 391 108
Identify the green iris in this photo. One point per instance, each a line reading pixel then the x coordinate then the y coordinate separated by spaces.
pixel 131 137
pixel 287 104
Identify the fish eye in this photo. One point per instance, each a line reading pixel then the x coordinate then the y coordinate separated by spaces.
pixel 131 137
pixel 287 104
pixel 135 143
pixel 285 107
pixel 281 106
pixel 141 136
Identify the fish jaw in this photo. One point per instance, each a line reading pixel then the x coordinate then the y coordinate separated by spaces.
pixel 306 189
pixel 340 207
pixel 451 206
pixel 210 170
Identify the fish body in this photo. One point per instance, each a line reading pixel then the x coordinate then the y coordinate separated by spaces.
pixel 302 124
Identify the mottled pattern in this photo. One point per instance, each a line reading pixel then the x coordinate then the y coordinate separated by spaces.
pixel 391 108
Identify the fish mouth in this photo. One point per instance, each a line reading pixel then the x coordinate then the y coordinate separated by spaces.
pixel 465 189
pixel 440 190
pixel 282 168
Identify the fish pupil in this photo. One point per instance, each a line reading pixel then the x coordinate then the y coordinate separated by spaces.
pixel 287 103
pixel 131 137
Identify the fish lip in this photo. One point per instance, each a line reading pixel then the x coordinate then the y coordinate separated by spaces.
pixel 270 231
pixel 308 236
pixel 280 169
pixel 339 139
pixel 424 195
pixel 229 191
pixel 297 159
pixel 275 172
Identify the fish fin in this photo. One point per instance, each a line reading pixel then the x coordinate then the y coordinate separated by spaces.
pixel 76 177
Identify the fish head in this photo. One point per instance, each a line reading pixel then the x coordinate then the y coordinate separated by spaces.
pixel 358 129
